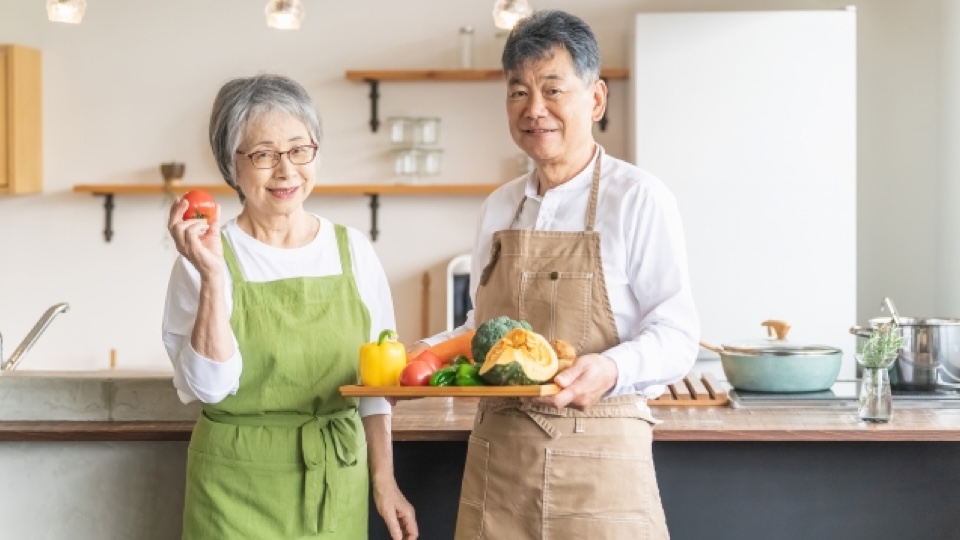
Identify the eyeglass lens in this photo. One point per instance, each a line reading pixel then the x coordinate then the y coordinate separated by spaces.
pixel 268 159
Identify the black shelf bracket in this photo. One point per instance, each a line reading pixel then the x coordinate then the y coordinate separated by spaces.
pixel 603 119
pixel 107 216
pixel 374 205
pixel 374 97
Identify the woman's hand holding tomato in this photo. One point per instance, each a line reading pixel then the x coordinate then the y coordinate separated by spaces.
pixel 197 239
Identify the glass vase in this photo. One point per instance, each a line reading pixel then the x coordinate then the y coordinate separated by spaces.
pixel 876 397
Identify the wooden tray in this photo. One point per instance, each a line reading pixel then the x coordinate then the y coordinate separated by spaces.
pixel 356 390
pixel 694 391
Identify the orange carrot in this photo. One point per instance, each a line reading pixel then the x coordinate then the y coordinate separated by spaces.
pixel 453 347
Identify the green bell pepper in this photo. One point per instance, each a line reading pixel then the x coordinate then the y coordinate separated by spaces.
pixel 460 360
pixel 444 376
pixel 468 375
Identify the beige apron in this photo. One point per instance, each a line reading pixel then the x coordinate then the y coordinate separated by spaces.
pixel 536 472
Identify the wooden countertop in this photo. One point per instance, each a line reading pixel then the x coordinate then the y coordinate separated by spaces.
pixel 448 419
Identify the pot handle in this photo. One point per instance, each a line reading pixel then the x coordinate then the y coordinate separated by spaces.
pixel 860 331
pixel 709 347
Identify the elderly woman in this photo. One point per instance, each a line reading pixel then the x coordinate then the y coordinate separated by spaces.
pixel 588 249
pixel 263 321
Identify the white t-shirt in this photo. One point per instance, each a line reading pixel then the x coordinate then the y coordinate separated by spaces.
pixel 644 264
pixel 199 378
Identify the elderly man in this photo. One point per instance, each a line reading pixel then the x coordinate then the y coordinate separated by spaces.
pixel 590 249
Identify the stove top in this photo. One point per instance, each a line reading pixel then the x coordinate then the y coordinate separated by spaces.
pixel 843 394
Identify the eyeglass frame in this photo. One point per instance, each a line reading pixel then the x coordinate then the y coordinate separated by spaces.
pixel 279 156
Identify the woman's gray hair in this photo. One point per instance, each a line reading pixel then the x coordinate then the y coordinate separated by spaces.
pixel 535 37
pixel 241 100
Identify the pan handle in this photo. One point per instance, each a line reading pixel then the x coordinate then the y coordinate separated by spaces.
pixel 860 331
pixel 709 347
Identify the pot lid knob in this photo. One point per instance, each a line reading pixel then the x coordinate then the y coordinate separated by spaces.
pixel 780 328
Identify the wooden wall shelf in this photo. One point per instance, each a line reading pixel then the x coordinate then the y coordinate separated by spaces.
pixel 373 78
pixel 373 191
pixel 452 75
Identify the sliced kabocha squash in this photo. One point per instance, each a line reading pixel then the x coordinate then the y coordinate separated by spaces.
pixel 490 332
pixel 520 357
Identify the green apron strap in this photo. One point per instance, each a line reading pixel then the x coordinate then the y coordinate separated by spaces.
pixel 231 260
pixel 343 244
pixel 328 442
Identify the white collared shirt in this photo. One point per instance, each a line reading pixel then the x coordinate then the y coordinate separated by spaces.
pixel 644 264
pixel 198 378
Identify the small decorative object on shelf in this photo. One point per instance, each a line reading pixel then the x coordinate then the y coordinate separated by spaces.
pixel 877 354
pixel 466 47
pixel 172 175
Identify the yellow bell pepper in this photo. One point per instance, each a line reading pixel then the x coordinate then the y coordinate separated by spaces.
pixel 382 361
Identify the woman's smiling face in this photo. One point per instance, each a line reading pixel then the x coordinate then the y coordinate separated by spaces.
pixel 279 190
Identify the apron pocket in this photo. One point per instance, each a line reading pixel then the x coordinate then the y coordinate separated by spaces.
pixel 473 491
pixel 558 305
pixel 597 495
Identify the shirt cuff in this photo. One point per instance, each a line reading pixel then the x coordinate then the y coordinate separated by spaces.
pixel 374 405
pixel 630 374
pixel 211 381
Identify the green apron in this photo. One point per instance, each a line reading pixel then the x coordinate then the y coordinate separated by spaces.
pixel 285 457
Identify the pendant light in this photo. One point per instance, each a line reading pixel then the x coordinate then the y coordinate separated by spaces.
pixel 506 13
pixel 66 11
pixel 284 14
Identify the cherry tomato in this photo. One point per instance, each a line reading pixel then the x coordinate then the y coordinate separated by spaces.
pixel 202 206
pixel 416 373
pixel 430 358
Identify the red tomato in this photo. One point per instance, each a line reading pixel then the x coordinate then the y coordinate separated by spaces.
pixel 416 373
pixel 430 358
pixel 202 206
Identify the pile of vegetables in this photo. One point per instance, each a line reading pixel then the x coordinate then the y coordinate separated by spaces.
pixel 501 351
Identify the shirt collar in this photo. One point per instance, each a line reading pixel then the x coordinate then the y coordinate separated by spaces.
pixel 582 178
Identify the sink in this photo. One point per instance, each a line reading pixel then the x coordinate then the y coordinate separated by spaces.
pixel 101 395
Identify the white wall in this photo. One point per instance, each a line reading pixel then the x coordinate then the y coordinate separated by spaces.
pixel 131 87
pixel 750 117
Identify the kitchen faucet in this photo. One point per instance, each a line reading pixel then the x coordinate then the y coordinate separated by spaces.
pixel 32 337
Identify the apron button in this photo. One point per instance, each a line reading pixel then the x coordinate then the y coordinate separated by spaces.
pixel 554 275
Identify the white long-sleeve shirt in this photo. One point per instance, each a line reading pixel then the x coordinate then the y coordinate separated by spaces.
pixel 644 264
pixel 198 378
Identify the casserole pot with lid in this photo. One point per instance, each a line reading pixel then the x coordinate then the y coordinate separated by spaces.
pixel 778 365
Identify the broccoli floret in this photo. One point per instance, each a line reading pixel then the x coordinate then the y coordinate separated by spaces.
pixel 490 332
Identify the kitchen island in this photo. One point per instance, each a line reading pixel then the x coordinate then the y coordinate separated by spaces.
pixel 724 473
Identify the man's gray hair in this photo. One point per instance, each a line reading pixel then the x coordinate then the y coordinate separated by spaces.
pixel 241 100
pixel 535 37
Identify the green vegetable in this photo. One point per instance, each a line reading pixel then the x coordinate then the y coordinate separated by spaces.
pixel 460 360
pixel 490 332
pixel 444 376
pixel 468 375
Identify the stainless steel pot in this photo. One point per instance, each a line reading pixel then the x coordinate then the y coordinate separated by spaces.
pixel 930 346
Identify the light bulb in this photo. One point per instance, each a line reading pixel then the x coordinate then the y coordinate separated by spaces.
pixel 507 13
pixel 284 14
pixel 66 11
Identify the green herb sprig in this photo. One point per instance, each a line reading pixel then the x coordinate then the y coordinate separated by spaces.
pixel 884 342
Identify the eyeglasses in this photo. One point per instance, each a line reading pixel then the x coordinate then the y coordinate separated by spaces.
pixel 268 159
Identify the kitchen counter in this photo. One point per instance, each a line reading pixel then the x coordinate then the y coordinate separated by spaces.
pixel 449 419
pixel 724 473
